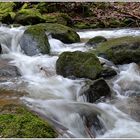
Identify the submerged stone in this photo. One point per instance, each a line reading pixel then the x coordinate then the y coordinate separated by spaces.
pixel 98 89
pixel 107 72
pixel 7 70
pixel 93 42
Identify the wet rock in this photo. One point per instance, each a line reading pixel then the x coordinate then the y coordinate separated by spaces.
pixel 99 88
pixel 7 70
pixel 78 64
pixel 35 41
pixel 28 17
pixel 18 122
pixel 107 72
pixel 94 126
pixel 120 50
pixel 93 42
pixel 62 33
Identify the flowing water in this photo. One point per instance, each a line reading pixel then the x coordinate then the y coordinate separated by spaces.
pixel 59 98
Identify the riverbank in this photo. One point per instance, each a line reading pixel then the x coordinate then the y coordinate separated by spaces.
pixel 81 15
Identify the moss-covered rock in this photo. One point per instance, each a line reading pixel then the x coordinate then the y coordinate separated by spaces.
pixel 35 41
pixel 93 42
pixel 81 25
pixel 28 17
pixel 57 31
pixel 59 18
pixel 17 122
pixel 78 64
pixel 120 50
pixel 61 32
pixel 6 12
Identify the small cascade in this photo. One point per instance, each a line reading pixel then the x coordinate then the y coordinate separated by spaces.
pixel 128 80
pixel 60 100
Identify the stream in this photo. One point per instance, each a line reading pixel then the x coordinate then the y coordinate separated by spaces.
pixel 59 99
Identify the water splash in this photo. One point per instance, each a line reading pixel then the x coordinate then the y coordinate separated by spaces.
pixel 128 80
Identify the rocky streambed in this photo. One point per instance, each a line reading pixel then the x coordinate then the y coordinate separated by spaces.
pixel 53 84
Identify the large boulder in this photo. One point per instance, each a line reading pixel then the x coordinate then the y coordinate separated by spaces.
pixel 18 122
pixel 61 32
pixel 78 64
pixel 28 17
pixel 99 88
pixel 6 12
pixel 120 50
pixel 35 41
pixel 93 42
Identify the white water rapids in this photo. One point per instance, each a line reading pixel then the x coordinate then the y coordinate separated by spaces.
pixel 59 98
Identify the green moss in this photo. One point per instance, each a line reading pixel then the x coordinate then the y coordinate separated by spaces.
pixel 59 18
pixel 29 12
pixel 120 50
pixel 50 18
pixel 6 12
pixel 78 64
pixel 117 41
pixel 81 25
pixel 42 7
pixel 25 6
pixel 6 7
pixel 96 40
pixel 20 123
pixel 63 33
pixel 28 16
